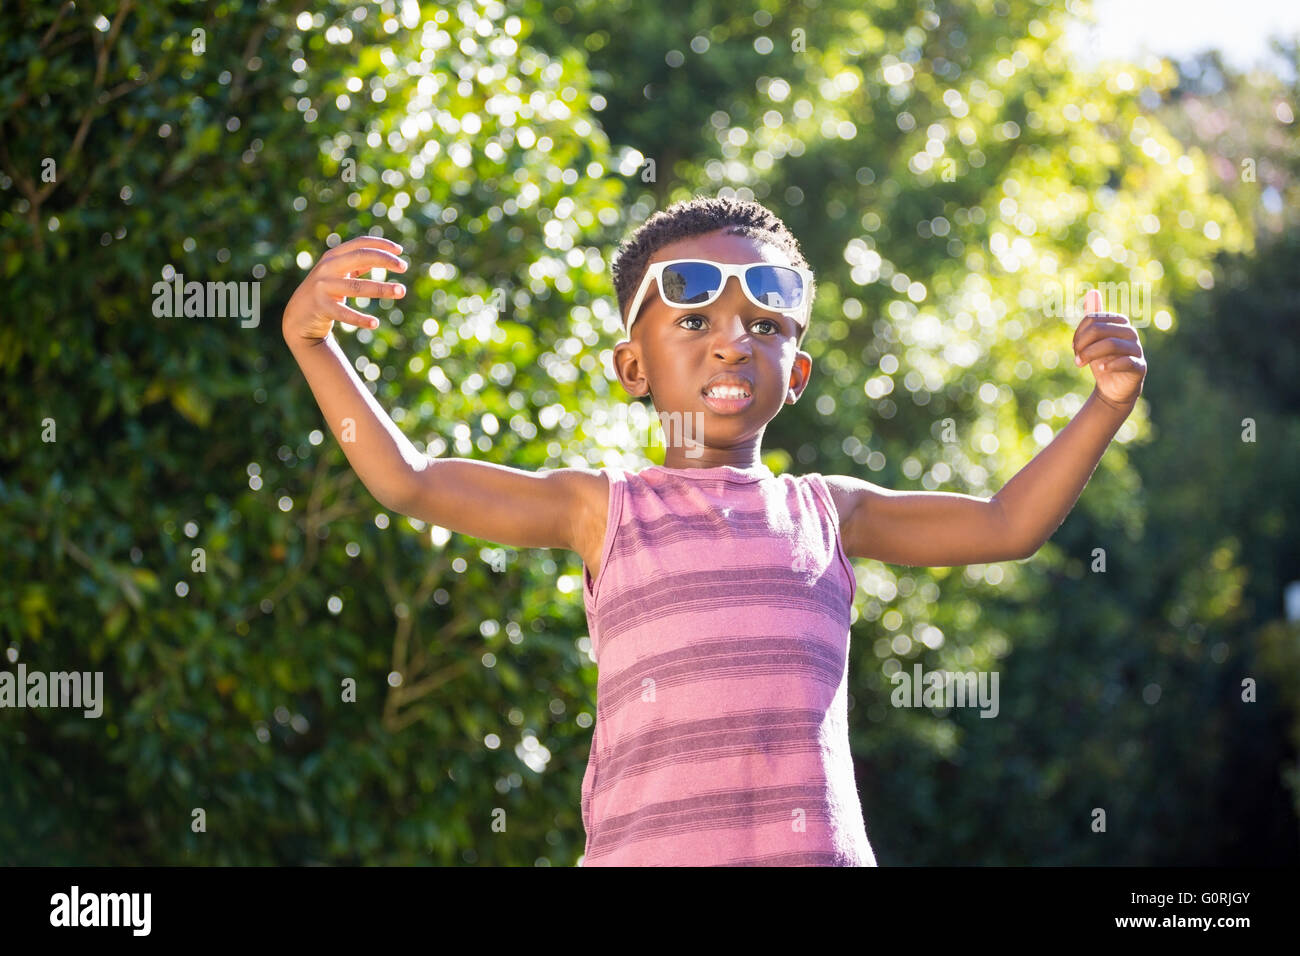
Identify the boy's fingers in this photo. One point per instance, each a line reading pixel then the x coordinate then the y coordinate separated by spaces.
pixel 369 288
pixel 1079 330
pixel 375 241
pixel 1105 348
pixel 1098 326
pixel 342 313
pixel 361 260
pixel 1092 328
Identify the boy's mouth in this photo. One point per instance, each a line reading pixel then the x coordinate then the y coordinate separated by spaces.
pixel 728 393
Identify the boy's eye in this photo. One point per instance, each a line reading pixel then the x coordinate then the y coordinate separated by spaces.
pixel 775 330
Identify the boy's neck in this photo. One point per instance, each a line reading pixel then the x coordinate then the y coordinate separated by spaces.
pixel 712 458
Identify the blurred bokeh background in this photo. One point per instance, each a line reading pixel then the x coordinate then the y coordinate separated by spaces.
pixel 953 170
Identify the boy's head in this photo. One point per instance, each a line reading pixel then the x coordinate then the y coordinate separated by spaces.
pixel 682 355
pixel 695 217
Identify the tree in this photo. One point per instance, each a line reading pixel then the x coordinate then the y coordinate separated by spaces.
pixel 188 533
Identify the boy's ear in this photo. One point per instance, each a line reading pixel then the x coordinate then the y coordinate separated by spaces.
pixel 799 377
pixel 627 366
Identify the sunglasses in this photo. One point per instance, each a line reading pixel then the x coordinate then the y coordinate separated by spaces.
pixel 690 283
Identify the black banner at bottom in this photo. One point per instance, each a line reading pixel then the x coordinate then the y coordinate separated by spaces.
pixel 334 905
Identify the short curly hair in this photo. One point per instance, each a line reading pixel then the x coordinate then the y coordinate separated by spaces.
pixel 694 217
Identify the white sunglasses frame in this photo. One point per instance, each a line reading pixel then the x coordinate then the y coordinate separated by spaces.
pixel 655 273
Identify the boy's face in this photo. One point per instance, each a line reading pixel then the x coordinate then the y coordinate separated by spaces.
pixel 674 353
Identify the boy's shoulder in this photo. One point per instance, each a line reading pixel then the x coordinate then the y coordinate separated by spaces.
pixel 584 481
pixel 848 493
pixel 589 488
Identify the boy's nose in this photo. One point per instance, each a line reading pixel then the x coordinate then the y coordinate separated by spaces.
pixel 731 306
pixel 730 337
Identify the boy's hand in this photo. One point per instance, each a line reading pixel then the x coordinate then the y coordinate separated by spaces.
pixel 318 302
pixel 1110 344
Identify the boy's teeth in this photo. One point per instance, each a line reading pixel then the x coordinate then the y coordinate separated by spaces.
pixel 726 391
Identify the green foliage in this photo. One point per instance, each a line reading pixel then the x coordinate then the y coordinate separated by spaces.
pixel 224 686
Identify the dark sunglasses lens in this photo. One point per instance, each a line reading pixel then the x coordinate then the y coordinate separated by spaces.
pixel 688 283
pixel 776 286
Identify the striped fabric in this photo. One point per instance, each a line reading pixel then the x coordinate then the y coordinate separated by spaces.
pixel 719 621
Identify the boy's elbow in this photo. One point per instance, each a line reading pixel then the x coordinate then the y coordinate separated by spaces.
pixel 402 491
pixel 395 496
pixel 1013 539
pixel 1024 552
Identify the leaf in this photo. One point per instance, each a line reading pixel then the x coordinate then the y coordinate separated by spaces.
pixel 146 579
pixel 193 404
pixel 282 672
pixel 115 621
pixel 34 606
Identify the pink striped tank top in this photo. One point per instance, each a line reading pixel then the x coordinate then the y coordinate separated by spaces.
pixel 719 621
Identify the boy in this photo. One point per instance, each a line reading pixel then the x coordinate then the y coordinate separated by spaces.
pixel 718 595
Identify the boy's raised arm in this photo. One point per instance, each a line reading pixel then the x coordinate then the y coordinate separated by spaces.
pixel 505 505
pixel 379 453
pixel 941 529
pixel 1039 496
